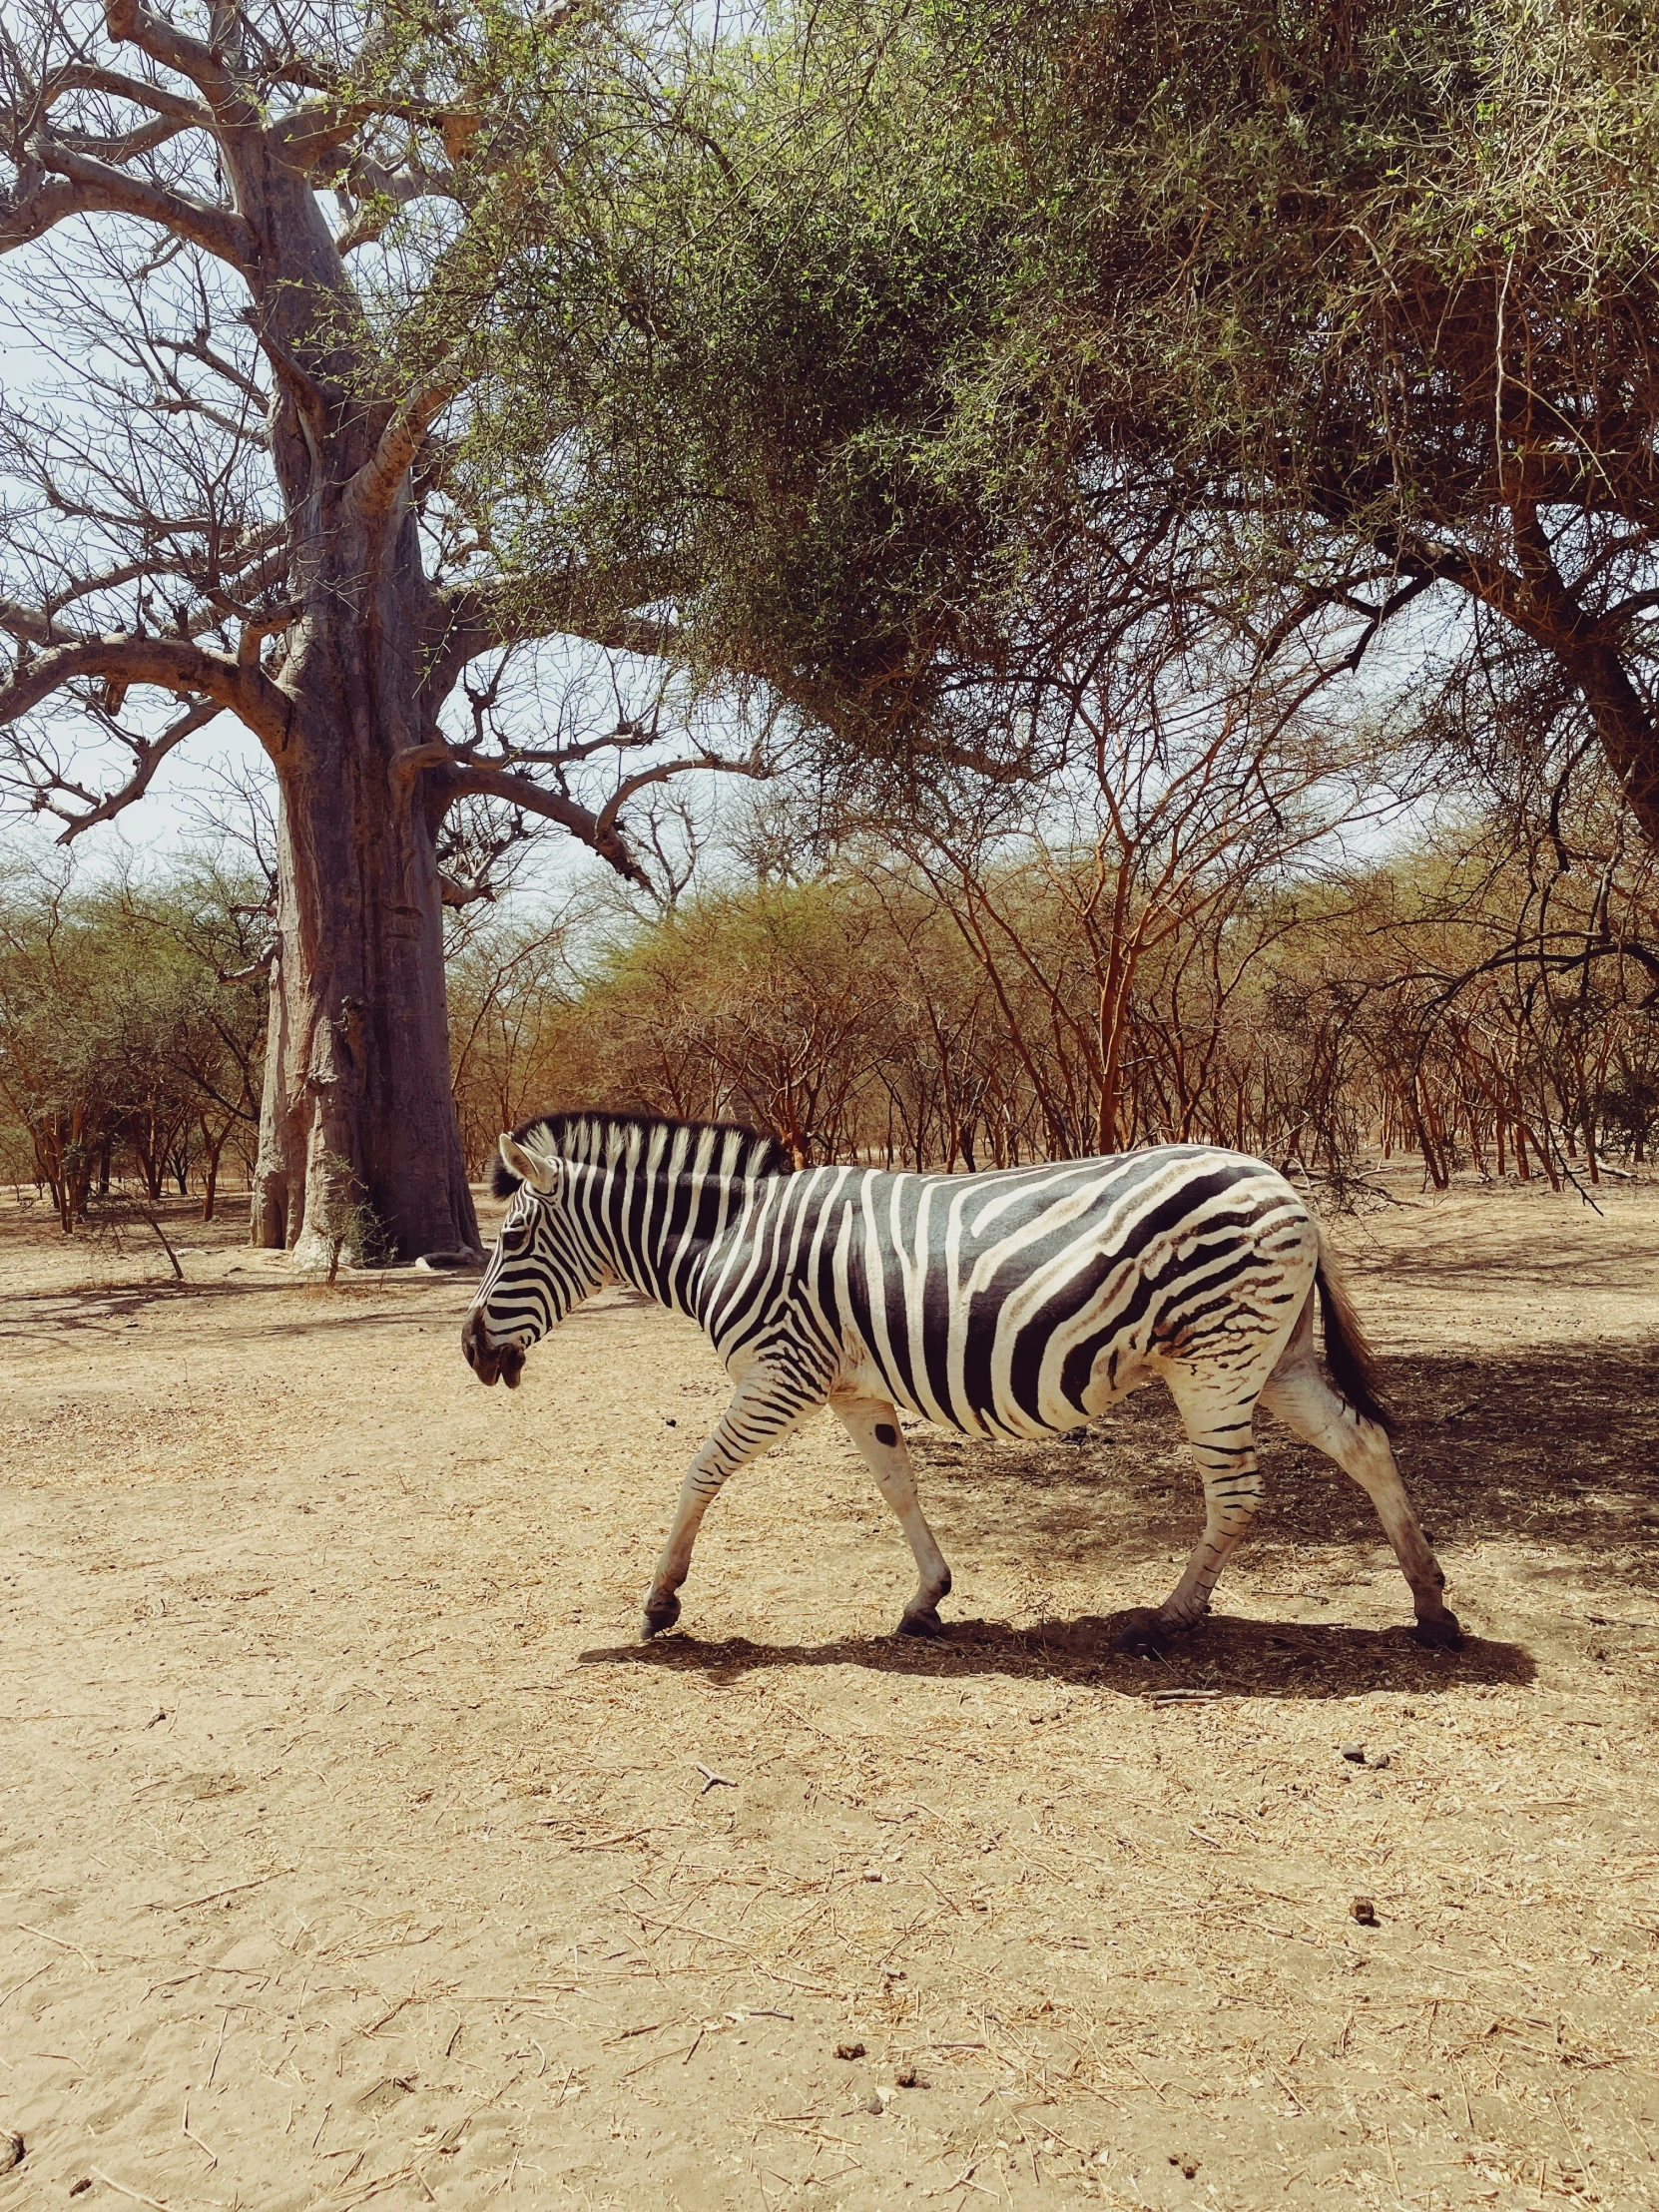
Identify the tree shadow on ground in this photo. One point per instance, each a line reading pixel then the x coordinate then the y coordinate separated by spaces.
pixel 102 1306
pixel 1560 1448
pixel 1227 1657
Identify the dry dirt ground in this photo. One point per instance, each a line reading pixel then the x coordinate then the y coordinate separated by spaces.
pixel 352 1850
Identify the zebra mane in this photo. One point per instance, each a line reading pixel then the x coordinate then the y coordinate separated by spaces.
pixel 614 1139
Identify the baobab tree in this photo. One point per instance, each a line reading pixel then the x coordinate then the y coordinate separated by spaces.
pixel 262 237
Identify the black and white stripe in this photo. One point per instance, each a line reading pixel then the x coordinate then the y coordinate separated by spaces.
pixel 1016 1304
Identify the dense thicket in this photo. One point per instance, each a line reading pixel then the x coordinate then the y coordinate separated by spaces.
pixel 132 1023
pixel 1470 1002
pixel 1465 1003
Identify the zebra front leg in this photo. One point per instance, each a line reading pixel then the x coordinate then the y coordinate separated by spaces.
pixel 874 1427
pixel 763 1411
pixel 1223 1444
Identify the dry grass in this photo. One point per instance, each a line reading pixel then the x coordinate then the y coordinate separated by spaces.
pixel 355 1854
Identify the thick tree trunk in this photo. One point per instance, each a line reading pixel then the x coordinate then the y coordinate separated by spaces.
pixel 210 1187
pixel 358 1113
pixel 357 1060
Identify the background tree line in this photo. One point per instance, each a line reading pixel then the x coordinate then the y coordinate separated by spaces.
pixel 132 1022
pixel 972 993
pixel 883 1012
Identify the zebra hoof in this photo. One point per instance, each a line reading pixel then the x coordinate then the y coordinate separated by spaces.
pixel 1440 1635
pixel 921 1624
pixel 660 1614
pixel 1149 1635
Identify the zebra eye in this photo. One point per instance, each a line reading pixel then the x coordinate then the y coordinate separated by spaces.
pixel 516 1236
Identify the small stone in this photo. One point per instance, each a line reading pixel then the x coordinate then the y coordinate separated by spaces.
pixel 910 2077
pixel 1356 1753
pixel 79 2187
pixel 1365 1912
pixel 876 2102
pixel 11 2152
pixel 1186 2161
pixel 849 2051
pixel 1378 1763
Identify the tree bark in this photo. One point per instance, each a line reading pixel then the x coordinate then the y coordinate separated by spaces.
pixel 357 1053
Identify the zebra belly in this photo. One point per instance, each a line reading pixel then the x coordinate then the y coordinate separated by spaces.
pixel 863 1377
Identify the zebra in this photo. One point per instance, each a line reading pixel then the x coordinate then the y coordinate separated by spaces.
pixel 1018 1302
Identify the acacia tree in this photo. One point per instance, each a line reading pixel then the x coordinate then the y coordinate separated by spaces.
pixel 262 237
pixel 996 328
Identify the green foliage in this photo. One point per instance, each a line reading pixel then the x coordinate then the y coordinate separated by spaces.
pixel 914 356
pixel 746 365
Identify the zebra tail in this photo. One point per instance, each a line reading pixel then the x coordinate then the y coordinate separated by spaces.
pixel 1349 1357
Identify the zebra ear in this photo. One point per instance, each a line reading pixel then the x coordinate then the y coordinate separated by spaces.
pixel 527 1167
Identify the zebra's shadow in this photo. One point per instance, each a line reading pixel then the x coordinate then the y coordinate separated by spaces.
pixel 1228 1657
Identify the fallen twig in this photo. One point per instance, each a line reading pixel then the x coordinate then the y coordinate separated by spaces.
pixel 163 1905
pixel 121 2189
pixel 211 2154
pixel 62 1942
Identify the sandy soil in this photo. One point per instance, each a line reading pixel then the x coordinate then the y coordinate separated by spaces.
pixel 351 1850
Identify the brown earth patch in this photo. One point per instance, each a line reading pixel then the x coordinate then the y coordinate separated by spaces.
pixel 341 1817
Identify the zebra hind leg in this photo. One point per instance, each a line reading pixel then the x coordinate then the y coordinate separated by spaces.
pixel 763 1411
pixel 1298 1394
pixel 1222 1442
pixel 874 1427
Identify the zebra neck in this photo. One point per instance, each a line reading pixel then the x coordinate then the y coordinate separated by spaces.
pixel 655 1231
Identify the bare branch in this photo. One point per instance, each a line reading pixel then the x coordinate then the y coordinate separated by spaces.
pixel 169 664
pixel 470 620
pixel 148 754
pixel 475 780
pixel 715 763
pixel 130 24
pixel 96 187
pixel 83 77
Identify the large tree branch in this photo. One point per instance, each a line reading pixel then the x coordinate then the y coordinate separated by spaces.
pixel 715 763
pixel 228 583
pixel 473 779
pixel 130 24
pixel 148 754
pixel 374 487
pixel 1539 605
pixel 95 188
pixel 169 664
pixel 456 774
pixel 83 77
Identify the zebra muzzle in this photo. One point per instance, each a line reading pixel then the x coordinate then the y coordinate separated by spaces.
pixel 491 1361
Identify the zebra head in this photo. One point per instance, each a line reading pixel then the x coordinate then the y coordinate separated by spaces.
pixel 542 1268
